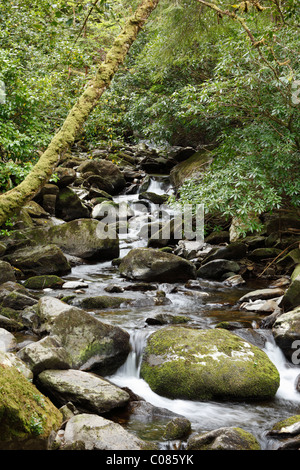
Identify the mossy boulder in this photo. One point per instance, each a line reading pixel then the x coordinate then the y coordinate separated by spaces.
pixel 195 364
pixel 291 298
pixel 26 416
pixel 39 260
pixel 229 438
pixel 286 427
pixel 192 167
pixel 84 238
pixel 102 301
pixel 43 282
pixel 216 268
pixel 90 343
pixel 150 265
pixel 69 206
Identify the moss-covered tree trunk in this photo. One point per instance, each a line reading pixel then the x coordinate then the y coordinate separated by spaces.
pixel 14 199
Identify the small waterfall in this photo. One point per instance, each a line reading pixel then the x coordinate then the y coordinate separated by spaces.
pixel 131 368
pixel 288 372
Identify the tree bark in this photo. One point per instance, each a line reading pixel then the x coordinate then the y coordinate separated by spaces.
pixel 14 199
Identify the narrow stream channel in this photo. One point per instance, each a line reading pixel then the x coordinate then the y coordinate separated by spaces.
pixel 206 307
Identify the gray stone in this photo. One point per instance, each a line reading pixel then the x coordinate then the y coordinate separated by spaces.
pixel 216 268
pixel 85 390
pixel 92 432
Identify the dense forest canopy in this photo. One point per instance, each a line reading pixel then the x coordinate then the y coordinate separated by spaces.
pixel 214 75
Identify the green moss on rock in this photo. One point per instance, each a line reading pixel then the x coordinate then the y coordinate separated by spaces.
pixel 24 412
pixel 187 363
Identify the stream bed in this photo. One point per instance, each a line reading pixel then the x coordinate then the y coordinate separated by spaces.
pixel 205 307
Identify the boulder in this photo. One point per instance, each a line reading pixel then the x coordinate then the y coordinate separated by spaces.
pixel 150 265
pixel 286 428
pixel 291 298
pixel 7 272
pixel 261 294
pixel 43 282
pixel 235 250
pixel 88 392
pixel 27 417
pixel 91 432
pixel 104 174
pixel 229 438
pixel 90 343
pixel 69 206
pixel 216 268
pixel 177 428
pixel 195 364
pixel 84 238
pixel 39 260
pixel 102 301
pixel 286 332
pixel 45 354
pixel 64 176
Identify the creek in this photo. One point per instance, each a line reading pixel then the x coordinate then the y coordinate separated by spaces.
pixel 206 307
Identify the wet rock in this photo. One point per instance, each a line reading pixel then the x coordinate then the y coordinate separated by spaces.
pixel 69 206
pixel 150 265
pixel 170 233
pixel 263 253
pixel 235 250
pixel 40 260
pixel 90 343
pixel 102 301
pixel 216 268
pixel 92 432
pixel 18 301
pixel 104 174
pixel 65 176
pixel 74 285
pixel 188 249
pixel 114 289
pixel 286 331
pixel 27 416
pixel 43 282
pixel 286 428
pixel 167 318
pixel 141 286
pixel 86 391
pixel 6 272
pixel 234 280
pixel 158 199
pixel 216 238
pixel 262 294
pixel 194 364
pixel 45 354
pixel 178 428
pixel 228 438
pixel 84 238
pixel 291 298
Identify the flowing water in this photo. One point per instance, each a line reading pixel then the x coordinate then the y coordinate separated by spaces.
pixel 205 308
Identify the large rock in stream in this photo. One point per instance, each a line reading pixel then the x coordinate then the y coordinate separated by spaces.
pixel 150 265
pixel 196 364
pixel 89 343
pixel 87 391
pixel 92 432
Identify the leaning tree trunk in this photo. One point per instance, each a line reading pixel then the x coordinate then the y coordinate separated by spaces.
pixel 14 199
